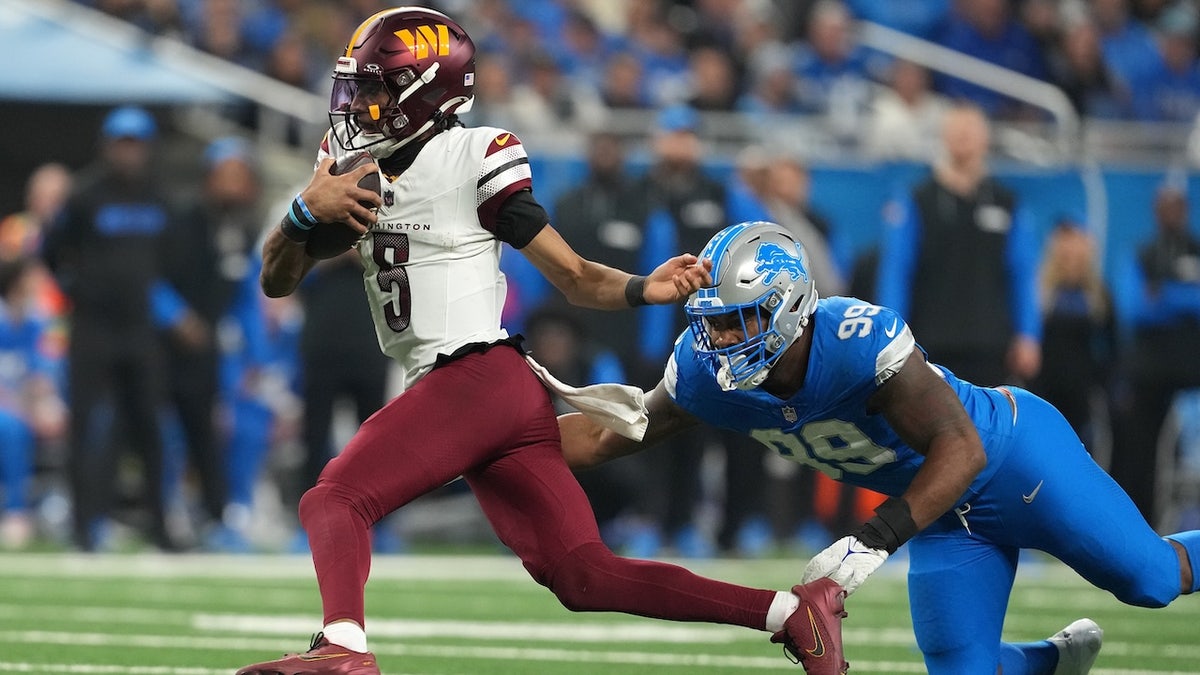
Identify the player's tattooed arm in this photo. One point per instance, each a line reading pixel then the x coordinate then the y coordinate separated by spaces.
pixel 587 444
pixel 327 198
pixel 284 264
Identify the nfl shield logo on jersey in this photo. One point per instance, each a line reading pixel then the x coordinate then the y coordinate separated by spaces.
pixel 389 198
pixel 789 413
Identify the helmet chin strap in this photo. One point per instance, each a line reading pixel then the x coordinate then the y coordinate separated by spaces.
pixel 725 371
pixel 727 383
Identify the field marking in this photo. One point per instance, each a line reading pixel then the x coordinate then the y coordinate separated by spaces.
pixel 617 632
pixel 251 567
pixel 644 631
pixel 450 651
pixel 240 643
pixel 648 631
pixel 97 669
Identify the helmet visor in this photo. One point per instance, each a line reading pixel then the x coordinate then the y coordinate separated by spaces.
pixel 742 360
pixel 368 109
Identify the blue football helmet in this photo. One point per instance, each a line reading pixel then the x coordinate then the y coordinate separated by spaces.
pixel 760 275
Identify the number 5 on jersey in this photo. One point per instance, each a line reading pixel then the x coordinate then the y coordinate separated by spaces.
pixel 390 252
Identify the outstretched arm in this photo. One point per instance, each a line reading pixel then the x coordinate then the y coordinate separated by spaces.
pixel 589 284
pixel 586 444
pixel 926 413
pixel 328 199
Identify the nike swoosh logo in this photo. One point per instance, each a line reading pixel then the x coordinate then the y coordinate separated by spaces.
pixel 891 332
pixel 503 140
pixel 818 649
pixel 1033 495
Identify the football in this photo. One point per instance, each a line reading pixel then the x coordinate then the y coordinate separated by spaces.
pixel 328 240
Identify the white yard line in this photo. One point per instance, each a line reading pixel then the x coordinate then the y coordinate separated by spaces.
pixel 477 651
pixel 97 669
pixel 541 631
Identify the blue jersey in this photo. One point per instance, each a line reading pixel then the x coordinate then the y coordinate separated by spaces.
pixel 856 347
pixel 1039 490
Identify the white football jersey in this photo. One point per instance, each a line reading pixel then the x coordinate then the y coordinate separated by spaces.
pixel 432 269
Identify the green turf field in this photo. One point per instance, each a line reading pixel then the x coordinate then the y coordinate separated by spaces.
pixel 202 615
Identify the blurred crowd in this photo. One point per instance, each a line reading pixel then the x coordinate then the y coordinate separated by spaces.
pixel 565 62
pixel 150 393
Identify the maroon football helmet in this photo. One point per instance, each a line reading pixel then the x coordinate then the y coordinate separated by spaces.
pixel 421 59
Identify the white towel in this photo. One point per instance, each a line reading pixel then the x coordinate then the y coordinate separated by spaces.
pixel 619 407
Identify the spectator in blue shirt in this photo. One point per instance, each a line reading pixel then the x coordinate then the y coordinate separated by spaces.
pixel 1169 90
pixel 1128 46
pixel 986 29
pixel 922 18
pixel 30 407
pixel 831 68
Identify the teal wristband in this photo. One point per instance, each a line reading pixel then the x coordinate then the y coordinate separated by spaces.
pixel 304 207
pixel 300 216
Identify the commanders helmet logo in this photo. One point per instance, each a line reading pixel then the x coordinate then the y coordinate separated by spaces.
pixel 426 41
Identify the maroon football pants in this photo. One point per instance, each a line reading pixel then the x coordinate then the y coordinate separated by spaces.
pixel 488 418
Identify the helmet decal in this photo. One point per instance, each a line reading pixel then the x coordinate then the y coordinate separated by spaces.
pixel 426 41
pixel 760 283
pixel 404 70
pixel 773 260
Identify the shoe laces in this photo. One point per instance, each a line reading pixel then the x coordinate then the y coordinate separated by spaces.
pixel 790 649
pixel 791 653
pixel 317 638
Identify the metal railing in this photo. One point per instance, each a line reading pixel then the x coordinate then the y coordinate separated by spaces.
pixel 977 71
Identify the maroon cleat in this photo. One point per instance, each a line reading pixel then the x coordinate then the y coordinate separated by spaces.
pixel 322 658
pixel 812 635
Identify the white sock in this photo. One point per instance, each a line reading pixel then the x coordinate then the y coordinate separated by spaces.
pixel 781 608
pixel 346 634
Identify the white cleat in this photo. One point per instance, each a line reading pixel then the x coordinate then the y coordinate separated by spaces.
pixel 1078 645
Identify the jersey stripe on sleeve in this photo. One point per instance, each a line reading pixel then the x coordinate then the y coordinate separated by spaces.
pixel 504 171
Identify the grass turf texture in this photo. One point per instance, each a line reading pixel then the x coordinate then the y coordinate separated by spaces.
pixel 200 615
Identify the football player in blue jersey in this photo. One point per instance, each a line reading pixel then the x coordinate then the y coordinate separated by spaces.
pixel 973 474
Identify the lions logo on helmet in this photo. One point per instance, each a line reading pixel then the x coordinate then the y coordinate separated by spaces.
pixel 760 275
pixel 773 259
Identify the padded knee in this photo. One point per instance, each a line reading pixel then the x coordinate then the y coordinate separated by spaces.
pixel 327 500
pixel 1152 586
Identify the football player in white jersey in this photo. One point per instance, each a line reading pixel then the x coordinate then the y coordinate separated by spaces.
pixel 473 405
pixel 973 474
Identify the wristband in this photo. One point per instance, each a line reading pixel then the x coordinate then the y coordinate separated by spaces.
pixel 635 291
pixel 292 230
pixel 890 528
pixel 308 216
pixel 299 214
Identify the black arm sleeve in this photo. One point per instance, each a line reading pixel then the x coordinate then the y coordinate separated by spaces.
pixel 520 219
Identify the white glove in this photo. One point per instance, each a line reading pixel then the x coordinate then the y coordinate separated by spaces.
pixel 847 561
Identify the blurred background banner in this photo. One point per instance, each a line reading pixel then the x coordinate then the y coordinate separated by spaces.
pixel 52 56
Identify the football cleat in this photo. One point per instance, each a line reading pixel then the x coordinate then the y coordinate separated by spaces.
pixel 812 635
pixel 322 658
pixel 1078 645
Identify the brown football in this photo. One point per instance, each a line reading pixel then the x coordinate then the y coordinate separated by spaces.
pixel 328 240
